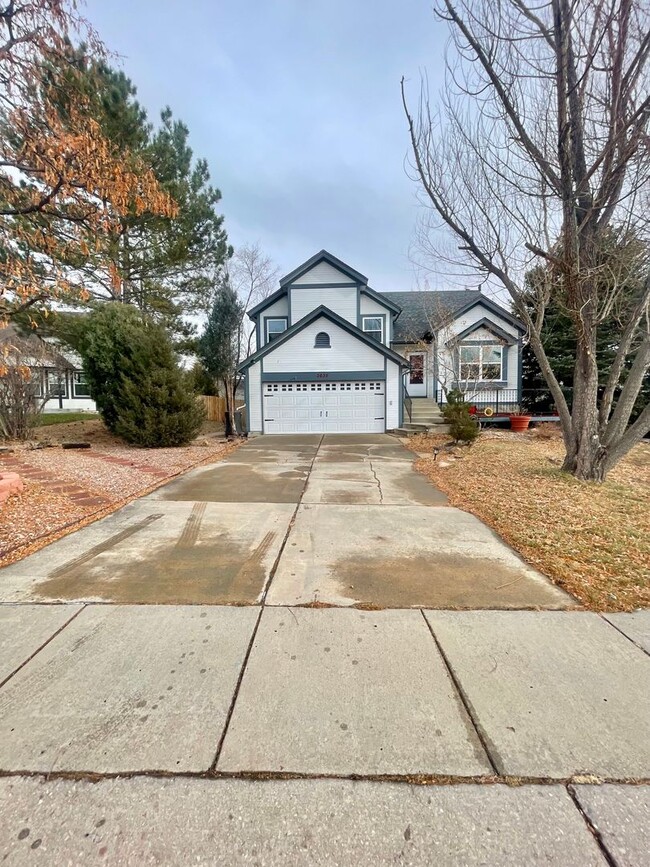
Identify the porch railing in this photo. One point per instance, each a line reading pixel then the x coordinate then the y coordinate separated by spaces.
pixel 408 402
pixel 507 400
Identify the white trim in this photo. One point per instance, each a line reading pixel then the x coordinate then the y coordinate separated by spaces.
pixel 377 316
pixel 481 363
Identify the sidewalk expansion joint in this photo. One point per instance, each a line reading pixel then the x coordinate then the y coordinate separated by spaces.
pixel 281 776
pixel 593 830
pixel 464 699
pixel 631 640
pixel 262 603
pixel 44 644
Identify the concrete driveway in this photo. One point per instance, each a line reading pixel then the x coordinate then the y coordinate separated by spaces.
pixel 337 520
pixel 272 734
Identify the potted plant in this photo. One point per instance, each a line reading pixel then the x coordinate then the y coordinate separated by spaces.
pixel 519 421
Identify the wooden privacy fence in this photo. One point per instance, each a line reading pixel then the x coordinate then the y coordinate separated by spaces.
pixel 215 408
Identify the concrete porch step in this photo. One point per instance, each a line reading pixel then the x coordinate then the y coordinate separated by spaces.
pixel 427 419
pixel 413 430
pixel 415 426
pixel 426 415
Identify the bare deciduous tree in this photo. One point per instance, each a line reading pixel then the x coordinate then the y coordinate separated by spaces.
pixel 253 275
pixel 538 151
pixel 24 389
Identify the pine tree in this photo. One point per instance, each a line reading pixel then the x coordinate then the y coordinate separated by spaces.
pixel 140 391
pixel 162 264
pixel 220 344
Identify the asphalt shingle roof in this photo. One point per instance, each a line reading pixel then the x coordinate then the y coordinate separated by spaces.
pixel 425 312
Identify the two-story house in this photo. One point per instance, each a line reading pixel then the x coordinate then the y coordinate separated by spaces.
pixel 334 356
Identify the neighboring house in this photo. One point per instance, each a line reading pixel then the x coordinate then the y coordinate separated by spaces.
pixel 56 370
pixel 334 356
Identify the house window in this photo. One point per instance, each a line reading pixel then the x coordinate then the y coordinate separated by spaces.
pixel 80 387
pixel 36 379
pixel 322 340
pixel 373 326
pixel 481 363
pixel 274 328
pixel 56 383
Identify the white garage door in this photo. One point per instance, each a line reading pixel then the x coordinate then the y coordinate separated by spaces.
pixel 324 407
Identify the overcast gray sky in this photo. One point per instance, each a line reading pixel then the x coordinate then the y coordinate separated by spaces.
pixel 295 104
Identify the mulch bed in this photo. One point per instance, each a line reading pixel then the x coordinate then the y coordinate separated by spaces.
pixel 593 540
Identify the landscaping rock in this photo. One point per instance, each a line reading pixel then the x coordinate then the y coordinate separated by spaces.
pixel 10 483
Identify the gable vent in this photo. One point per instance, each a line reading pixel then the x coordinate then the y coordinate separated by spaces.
pixel 322 340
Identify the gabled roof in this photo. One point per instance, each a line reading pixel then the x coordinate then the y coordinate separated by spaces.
pixel 271 299
pixel 323 256
pixel 382 298
pixel 489 325
pixel 333 317
pixel 423 313
pixel 31 349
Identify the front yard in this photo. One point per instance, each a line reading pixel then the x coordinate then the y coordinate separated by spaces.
pixel 593 540
pixel 66 489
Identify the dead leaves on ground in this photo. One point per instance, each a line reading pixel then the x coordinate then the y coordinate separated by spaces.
pixel 593 540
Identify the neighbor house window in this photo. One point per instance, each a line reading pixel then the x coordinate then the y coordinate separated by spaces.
pixel 36 379
pixel 373 326
pixel 481 363
pixel 322 340
pixel 274 328
pixel 55 383
pixel 80 387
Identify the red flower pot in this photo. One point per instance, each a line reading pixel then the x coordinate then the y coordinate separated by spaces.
pixel 519 423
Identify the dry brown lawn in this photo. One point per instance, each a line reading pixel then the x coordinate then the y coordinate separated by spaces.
pixel 593 540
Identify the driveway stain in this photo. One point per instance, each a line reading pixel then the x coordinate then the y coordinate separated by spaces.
pixel 238 483
pixel 218 572
pixel 439 581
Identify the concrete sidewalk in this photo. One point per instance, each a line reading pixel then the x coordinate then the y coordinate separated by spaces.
pixel 165 734
pixel 266 733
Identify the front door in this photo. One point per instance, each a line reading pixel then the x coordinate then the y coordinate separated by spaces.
pixel 417 381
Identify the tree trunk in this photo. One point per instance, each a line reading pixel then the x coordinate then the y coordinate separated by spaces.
pixel 229 394
pixel 586 456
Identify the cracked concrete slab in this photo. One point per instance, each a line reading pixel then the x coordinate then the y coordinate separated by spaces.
pixel 371 481
pixel 349 692
pixel 401 557
pixel 301 822
pixel 359 448
pixel 126 688
pixel 636 625
pixel 556 694
pixel 166 553
pixel 24 628
pixel 621 816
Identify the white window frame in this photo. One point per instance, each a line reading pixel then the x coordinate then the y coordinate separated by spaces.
pixel 75 377
pixel 59 375
pixel 481 363
pixel 267 322
pixel 374 330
